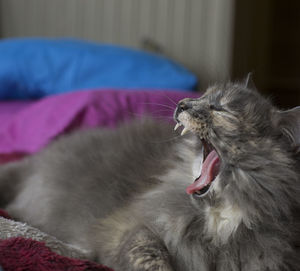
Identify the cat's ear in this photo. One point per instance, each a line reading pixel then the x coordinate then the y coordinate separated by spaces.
pixel 248 82
pixel 289 123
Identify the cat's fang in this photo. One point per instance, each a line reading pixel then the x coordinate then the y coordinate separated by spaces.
pixel 177 126
pixel 184 131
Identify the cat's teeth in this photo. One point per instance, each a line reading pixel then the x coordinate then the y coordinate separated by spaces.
pixel 184 131
pixel 176 126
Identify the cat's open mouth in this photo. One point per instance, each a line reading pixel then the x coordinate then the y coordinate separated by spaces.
pixel 209 171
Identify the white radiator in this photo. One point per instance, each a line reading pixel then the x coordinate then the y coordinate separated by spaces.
pixel 196 33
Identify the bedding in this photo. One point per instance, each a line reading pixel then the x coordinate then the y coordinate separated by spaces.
pixel 28 126
pixel 34 68
pixel 19 254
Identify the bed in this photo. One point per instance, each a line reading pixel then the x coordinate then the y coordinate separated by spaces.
pixel 52 87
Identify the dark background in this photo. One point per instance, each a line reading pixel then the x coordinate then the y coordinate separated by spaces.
pixel 267 42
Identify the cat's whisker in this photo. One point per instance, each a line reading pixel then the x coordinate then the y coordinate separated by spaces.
pixel 152 113
pixel 159 117
pixel 164 105
pixel 163 141
pixel 171 100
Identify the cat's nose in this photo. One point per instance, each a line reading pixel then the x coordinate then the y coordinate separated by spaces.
pixel 183 105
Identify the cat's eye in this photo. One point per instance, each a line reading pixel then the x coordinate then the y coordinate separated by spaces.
pixel 215 107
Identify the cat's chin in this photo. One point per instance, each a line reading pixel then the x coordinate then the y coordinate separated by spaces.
pixel 202 192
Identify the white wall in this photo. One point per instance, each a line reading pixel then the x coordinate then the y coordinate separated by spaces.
pixel 197 33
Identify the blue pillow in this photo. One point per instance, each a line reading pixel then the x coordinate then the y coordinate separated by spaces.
pixel 34 68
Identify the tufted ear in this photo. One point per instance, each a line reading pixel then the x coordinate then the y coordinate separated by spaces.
pixel 289 123
pixel 248 82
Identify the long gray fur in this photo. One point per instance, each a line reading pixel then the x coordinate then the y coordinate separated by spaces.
pixel 121 194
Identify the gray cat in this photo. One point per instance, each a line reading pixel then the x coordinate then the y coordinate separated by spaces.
pixel 141 198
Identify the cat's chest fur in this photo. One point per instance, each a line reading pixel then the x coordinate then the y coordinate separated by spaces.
pixel 222 221
pixel 218 223
pixel 191 239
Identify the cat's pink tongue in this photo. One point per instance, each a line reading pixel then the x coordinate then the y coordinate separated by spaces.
pixel 210 169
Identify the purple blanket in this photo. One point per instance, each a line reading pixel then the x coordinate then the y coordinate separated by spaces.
pixel 28 126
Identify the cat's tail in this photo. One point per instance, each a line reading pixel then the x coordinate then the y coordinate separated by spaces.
pixel 11 177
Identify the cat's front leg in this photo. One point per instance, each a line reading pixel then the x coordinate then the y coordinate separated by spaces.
pixel 135 249
pixel 143 251
pixel 123 243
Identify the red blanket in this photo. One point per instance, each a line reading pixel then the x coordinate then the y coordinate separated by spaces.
pixel 18 254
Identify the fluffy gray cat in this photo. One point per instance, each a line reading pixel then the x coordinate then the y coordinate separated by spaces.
pixel 222 197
